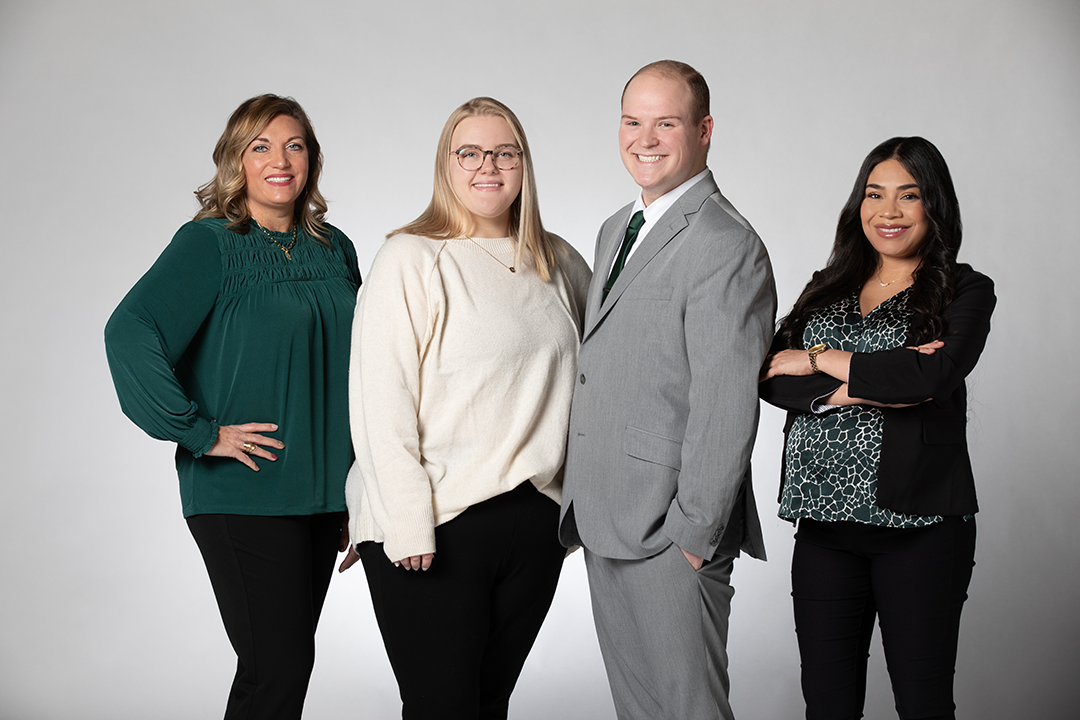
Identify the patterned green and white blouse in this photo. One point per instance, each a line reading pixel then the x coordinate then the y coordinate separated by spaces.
pixel 831 456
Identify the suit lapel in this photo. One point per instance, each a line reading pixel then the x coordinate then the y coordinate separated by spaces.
pixel 607 245
pixel 670 224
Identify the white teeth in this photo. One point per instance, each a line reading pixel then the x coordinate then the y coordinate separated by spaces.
pixel 649 158
pixel 279 180
pixel 487 184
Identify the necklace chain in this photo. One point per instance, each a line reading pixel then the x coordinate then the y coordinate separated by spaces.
pixel 284 248
pixel 887 284
pixel 508 267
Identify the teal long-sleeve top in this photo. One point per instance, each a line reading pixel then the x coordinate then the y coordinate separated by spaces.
pixel 224 329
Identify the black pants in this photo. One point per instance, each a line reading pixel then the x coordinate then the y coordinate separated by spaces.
pixel 457 634
pixel 914 581
pixel 270 576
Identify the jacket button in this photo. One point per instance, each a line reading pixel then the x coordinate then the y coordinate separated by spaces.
pixel 581 379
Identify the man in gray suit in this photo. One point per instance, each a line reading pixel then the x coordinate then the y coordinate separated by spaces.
pixel 657 486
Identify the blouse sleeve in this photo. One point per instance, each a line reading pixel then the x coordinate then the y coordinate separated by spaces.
pixel 150 330
pixel 904 376
pixel 392 327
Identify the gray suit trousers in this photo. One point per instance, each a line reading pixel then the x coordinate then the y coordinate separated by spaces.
pixel 663 634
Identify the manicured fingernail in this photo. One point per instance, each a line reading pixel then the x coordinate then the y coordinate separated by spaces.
pixel 397 564
pixel 273 426
pixel 281 446
pixel 273 457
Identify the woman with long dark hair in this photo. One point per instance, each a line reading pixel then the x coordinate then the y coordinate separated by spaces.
pixel 871 365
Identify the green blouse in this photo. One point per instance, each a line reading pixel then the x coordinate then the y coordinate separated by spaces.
pixel 831 456
pixel 224 329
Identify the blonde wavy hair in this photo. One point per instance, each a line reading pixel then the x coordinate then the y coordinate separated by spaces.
pixel 446 217
pixel 225 196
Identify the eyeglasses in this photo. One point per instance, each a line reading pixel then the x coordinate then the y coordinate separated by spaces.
pixel 471 158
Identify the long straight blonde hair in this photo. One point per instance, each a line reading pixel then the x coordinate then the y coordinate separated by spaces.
pixel 446 217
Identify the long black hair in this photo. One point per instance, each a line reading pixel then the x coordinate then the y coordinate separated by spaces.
pixel 853 259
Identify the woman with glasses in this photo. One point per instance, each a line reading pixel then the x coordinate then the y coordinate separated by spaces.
pixel 463 364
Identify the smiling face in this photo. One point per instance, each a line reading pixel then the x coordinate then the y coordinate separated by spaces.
pixel 661 144
pixel 487 193
pixel 892 212
pixel 275 169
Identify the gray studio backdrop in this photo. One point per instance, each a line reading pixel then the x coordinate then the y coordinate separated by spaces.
pixel 108 115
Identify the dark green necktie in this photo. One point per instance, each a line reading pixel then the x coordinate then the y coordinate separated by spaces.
pixel 628 242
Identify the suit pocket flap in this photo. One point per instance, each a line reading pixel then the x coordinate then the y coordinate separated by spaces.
pixel 653 448
pixel 944 431
pixel 642 291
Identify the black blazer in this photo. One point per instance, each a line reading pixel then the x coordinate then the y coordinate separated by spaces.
pixel 924 467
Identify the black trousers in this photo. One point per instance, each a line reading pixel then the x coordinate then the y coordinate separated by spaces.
pixel 914 581
pixel 270 576
pixel 457 635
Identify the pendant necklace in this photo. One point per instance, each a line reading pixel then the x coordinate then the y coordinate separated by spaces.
pixel 508 267
pixel 284 248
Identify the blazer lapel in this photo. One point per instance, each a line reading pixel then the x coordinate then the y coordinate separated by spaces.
pixel 606 248
pixel 670 224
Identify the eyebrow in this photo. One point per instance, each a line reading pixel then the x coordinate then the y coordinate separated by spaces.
pixel 501 145
pixel 662 117
pixel 898 187
pixel 266 140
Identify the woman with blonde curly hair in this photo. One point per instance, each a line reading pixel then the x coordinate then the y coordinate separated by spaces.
pixel 463 365
pixel 234 346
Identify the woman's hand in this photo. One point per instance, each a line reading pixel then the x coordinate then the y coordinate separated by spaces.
pixel 416 562
pixel 786 362
pixel 350 559
pixel 928 348
pixel 243 442
pixel 345 546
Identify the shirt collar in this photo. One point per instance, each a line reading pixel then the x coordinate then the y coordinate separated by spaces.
pixel 662 204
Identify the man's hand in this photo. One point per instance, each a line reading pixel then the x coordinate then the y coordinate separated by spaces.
pixel 694 560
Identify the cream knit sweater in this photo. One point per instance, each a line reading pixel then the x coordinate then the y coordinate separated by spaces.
pixel 460 383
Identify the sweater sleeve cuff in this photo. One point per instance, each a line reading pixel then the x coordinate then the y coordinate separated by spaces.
pixel 201 437
pixel 410 541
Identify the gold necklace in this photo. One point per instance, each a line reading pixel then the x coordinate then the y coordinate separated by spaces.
pixel 508 267
pixel 285 249
pixel 887 284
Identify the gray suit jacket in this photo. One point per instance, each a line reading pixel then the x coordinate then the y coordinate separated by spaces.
pixel 665 412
